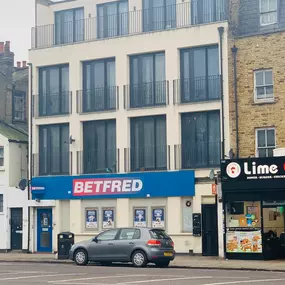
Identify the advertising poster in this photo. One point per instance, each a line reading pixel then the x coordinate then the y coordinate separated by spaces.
pixel 108 219
pixel 158 218
pixel 91 219
pixel 244 242
pixel 140 218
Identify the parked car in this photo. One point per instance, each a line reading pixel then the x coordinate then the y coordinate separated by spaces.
pixel 137 245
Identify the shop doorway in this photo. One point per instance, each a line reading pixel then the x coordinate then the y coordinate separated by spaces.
pixel 44 235
pixel 209 230
pixel 16 228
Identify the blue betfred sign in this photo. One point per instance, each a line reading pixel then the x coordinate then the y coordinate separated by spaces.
pixel 131 185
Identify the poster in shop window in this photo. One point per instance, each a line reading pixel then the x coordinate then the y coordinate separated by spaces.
pixel 108 219
pixel 158 218
pixel 140 218
pixel 91 219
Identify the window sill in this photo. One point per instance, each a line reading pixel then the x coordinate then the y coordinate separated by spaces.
pixel 2 168
pixel 264 102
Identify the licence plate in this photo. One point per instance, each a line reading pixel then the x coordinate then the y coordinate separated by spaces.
pixel 168 254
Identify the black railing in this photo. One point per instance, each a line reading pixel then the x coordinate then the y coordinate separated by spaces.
pixel 149 94
pixel 146 158
pixel 53 162
pixel 98 161
pixel 129 23
pixel 52 104
pixel 197 89
pixel 98 99
pixel 195 154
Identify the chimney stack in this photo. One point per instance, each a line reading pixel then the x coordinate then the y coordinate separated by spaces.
pixel 24 63
pixel 19 64
pixel 7 46
pixel 1 47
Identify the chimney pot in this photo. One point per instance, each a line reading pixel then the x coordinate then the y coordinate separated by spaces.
pixel 19 64
pixel 1 47
pixel 24 63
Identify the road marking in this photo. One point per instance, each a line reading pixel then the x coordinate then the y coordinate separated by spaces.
pixel 94 277
pixel 40 276
pixel 242 282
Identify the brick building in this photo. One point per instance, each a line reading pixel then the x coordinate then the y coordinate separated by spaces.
pixel 258 35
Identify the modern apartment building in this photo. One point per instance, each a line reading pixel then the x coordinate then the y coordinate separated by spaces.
pixel 257 108
pixel 128 101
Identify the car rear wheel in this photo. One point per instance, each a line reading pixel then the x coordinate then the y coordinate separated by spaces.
pixel 81 257
pixel 162 264
pixel 139 259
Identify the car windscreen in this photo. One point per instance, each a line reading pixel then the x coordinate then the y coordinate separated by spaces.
pixel 158 234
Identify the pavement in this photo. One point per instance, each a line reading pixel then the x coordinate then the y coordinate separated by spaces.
pixel 70 274
pixel 181 261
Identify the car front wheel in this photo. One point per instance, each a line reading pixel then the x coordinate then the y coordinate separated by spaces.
pixel 163 264
pixel 81 257
pixel 139 259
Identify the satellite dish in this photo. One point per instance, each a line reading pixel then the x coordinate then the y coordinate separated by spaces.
pixel 23 184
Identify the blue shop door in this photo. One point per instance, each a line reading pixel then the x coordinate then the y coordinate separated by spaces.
pixel 44 236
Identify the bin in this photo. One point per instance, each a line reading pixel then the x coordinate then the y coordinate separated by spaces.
pixel 65 241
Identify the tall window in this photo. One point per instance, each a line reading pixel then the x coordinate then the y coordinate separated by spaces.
pixel 19 105
pixel 99 80
pixel 265 142
pixel 1 203
pixel 263 82
pixel 69 26
pixel 207 11
pixel 268 12
pixel 148 143
pixel 201 139
pixel 159 15
pixel 113 19
pixel 99 153
pixel 1 155
pixel 54 149
pixel 200 80
pixel 148 85
pixel 53 90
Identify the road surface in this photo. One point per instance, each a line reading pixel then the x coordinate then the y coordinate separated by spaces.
pixel 69 274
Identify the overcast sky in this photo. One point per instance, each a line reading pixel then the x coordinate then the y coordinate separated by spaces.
pixel 16 20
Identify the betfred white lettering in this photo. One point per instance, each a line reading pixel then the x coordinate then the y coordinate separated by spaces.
pixel 260 169
pixel 85 187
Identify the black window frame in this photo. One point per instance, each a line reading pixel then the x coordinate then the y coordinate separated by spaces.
pixel 22 95
pixel 142 146
pixel 149 17
pixel 187 146
pixel 49 147
pixel 62 41
pixel 1 203
pixel 87 169
pixel 208 77
pixel 64 109
pixel 105 20
pixel 138 101
pixel 109 91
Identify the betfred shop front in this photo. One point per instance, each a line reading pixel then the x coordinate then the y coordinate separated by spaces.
pixel 253 193
pixel 86 205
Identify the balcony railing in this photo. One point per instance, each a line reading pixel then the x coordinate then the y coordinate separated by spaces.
pixel 98 99
pixel 193 154
pixel 197 89
pixel 150 158
pixel 52 104
pixel 98 161
pixel 149 94
pixel 53 162
pixel 129 23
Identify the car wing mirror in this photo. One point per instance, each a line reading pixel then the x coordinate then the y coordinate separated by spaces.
pixel 95 239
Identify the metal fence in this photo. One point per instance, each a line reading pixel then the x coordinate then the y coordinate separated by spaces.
pixel 98 99
pixel 161 18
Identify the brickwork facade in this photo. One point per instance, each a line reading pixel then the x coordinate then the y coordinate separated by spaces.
pixel 254 53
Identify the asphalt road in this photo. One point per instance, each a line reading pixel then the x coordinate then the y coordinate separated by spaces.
pixel 69 274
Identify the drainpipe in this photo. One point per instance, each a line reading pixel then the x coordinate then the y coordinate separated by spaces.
pixel 221 33
pixel 30 155
pixel 234 51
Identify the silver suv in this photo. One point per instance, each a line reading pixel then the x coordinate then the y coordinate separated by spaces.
pixel 137 245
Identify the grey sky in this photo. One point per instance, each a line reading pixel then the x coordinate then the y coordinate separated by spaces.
pixel 16 20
